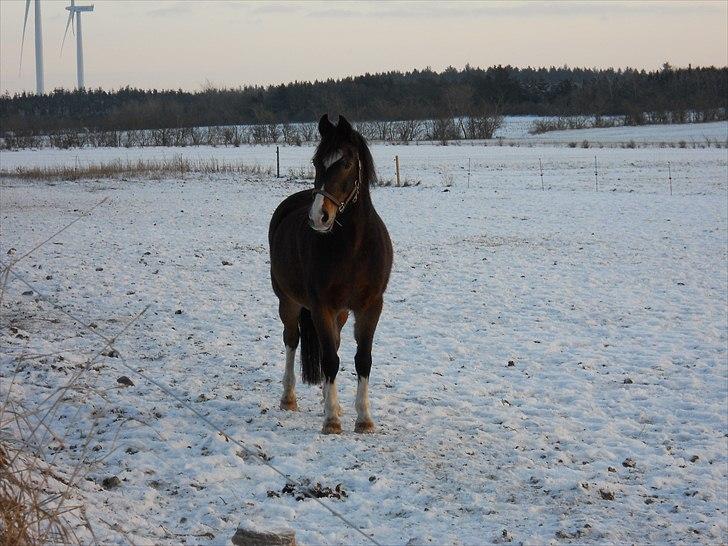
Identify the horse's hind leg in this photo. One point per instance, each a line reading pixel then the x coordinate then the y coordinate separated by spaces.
pixel 289 312
pixel 364 328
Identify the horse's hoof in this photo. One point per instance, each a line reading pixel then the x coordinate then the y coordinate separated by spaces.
pixel 331 427
pixel 364 427
pixel 289 404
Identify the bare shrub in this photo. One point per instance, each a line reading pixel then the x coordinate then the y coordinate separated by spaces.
pixel 366 129
pixel 272 132
pixel 443 130
pixel 258 134
pixel 197 136
pixel 232 136
pixel 308 132
pixel 291 135
pixel 383 130
pixel 408 130
pixel 584 143
pixel 213 137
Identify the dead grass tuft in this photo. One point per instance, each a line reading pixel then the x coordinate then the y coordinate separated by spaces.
pixel 177 165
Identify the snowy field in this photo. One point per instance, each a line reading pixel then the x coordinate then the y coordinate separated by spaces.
pixel 550 367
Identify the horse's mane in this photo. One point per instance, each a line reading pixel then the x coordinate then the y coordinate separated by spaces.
pixel 336 138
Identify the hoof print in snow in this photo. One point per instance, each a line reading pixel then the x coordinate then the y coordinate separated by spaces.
pixel 28 293
pixel 225 262
pixel 111 482
pixel 627 381
pixel 511 363
pixel 125 381
pixel 178 312
pixel 629 463
pixel 279 537
pixel 606 494
pixel 111 353
pixel 611 469
pixel 99 269
pixel 694 458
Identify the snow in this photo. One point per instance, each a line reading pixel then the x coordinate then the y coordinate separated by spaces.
pixel 532 341
pixel 690 133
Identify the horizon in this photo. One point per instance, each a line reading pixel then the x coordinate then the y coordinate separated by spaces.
pixel 262 44
pixel 204 87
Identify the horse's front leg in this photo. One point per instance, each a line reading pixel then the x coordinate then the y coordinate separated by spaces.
pixel 325 321
pixel 289 312
pixel 364 328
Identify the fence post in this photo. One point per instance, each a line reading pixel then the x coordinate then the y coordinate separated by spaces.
pixel 596 179
pixel 540 166
pixel 468 173
pixel 396 163
pixel 669 176
pixel 278 162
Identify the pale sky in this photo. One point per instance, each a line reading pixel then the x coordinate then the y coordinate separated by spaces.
pixel 184 44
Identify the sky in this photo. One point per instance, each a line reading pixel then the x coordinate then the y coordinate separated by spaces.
pixel 190 44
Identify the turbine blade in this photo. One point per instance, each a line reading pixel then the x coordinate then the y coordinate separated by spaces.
pixel 22 41
pixel 69 22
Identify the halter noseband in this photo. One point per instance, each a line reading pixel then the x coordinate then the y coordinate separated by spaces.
pixel 351 198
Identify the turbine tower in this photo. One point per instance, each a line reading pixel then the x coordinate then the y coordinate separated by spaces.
pixel 73 9
pixel 39 84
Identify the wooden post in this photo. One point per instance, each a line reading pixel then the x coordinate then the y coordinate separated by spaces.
pixel 278 162
pixel 468 173
pixel 540 166
pixel 596 178
pixel 396 163
pixel 669 176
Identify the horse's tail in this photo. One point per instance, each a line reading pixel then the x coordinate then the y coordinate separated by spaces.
pixel 311 372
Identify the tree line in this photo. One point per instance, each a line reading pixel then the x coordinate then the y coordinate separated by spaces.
pixel 672 94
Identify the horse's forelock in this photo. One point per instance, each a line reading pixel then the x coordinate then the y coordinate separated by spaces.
pixel 330 144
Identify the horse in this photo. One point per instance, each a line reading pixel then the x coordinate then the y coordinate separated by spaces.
pixel 330 253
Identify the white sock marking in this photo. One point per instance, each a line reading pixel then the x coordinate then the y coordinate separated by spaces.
pixel 362 401
pixel 331 402
pixel 289 376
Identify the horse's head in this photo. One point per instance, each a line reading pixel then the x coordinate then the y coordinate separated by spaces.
pixel 343 166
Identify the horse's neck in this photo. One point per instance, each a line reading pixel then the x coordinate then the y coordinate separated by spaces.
pixel 357 221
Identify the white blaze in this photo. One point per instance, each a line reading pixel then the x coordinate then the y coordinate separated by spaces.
pixel 316 214
pixel 333 158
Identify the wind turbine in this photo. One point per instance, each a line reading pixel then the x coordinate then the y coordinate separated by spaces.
pixel 73 9
pixel 38 45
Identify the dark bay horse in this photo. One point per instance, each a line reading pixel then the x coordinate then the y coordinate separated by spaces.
pixel 330 253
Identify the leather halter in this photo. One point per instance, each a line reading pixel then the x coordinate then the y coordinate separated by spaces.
pixel 351 198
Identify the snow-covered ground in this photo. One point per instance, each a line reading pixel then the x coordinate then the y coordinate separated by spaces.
pixel 689 133
pixel 550 366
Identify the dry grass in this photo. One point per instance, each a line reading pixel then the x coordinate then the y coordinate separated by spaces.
pixel 177 165
pixel 28 514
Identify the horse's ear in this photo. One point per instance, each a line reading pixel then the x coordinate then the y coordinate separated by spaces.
pixel 325 126
pixel 344 127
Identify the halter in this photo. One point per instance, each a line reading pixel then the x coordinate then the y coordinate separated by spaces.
pixel 351 198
